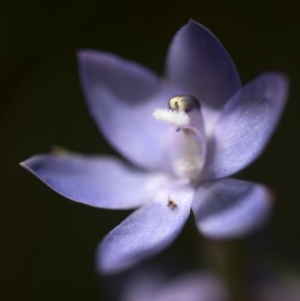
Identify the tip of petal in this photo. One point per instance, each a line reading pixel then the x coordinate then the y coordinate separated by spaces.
pixel 281 81
pixel 93 57
pixel 24 165
pixel 193 23
pixel 86 55
pixel 82 54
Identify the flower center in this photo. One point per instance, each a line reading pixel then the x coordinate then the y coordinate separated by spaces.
pixel 186 139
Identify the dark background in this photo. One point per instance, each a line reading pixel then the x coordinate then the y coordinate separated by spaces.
pixel 48 242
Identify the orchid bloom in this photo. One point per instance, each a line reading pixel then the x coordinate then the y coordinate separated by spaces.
pixel 184 135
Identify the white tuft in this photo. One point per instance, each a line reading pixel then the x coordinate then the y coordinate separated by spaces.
pixel 178 118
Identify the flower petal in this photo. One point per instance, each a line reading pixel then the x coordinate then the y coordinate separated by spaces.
pixel 122 96
pixel 147 231
pixel 194 286
pixel 230 208
pixel 246 124
pixel 102 182
pixel 199 64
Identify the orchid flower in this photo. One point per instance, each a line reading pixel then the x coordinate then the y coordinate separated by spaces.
pixel 183 136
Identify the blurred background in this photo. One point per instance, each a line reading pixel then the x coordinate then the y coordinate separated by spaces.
pixel 48 242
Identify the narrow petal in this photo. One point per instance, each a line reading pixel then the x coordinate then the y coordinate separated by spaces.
pixel 246 124
pixel 147 231
pixel 199 64
pixel 230 208
pixel 102 182
pixel 121 96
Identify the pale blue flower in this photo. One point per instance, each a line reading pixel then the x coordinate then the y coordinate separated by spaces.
pixel 177 165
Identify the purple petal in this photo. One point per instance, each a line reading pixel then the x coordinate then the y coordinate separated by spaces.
pixel 230 208
pixel 199 64
pixel 194 286
pixel 143 285
pixel 102 182
pixel 246 124
pixel 156 285
pixel 122 96
pixel 147 231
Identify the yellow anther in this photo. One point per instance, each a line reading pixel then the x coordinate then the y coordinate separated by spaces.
pixel 184 103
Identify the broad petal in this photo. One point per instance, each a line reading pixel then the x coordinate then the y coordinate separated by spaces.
pixel 121 96
pixel 230 208
pixel 157 284
pixel 147 231
pixel 246 124
pixel 199 64
pixel 102 182
pixel 194 286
